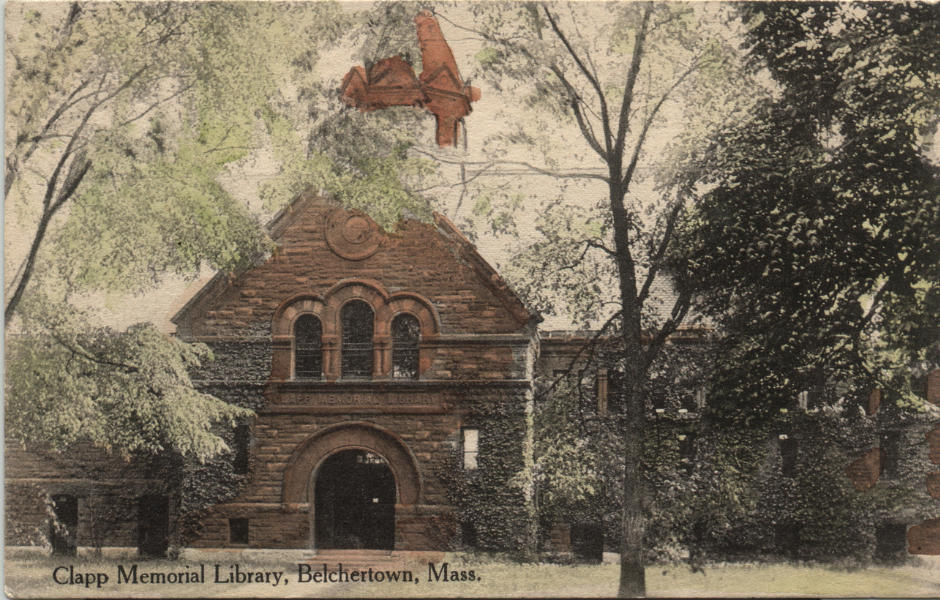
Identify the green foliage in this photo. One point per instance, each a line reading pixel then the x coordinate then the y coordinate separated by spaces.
pixel 162 101
pixel 129 392
pixel 492 498
pixel 568 463
pixel 818 218
pixel 834 519
pixel 563 273
pixel 173 217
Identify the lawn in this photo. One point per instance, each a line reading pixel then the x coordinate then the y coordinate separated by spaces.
pixel 32 577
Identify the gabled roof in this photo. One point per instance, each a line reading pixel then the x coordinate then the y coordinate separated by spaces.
pixel 463 250
pixel 491 279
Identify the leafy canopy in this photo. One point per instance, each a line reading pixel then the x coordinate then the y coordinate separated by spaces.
pixel 819 224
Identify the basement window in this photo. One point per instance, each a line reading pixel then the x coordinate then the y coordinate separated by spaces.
pixel 406 340
pixel 308 348
pixel 357 320
pixel 238 531
pixel 471 448
pixel 787 539
pixel 890 541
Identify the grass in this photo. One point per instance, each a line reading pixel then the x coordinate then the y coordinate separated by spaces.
pixel 31 577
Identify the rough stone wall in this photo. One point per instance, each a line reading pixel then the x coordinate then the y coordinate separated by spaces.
pixel 477 376
pixel 416 257
pixel 106 486
pixel 434 439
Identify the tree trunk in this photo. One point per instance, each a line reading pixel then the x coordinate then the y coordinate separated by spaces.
pixel 633 529
pixel 632 559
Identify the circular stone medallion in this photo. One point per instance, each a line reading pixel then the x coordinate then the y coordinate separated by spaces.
pixel 352 234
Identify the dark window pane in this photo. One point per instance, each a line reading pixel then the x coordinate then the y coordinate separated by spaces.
pixel 153 525
pixel 891 444
pixel 65 527
pixel 242 443
pixel 308 351
pixel 788 457
pixel 357 339
pixel 406 338
pixel 238 531
pixel 890 541
pixel 616 385
pixel 788 539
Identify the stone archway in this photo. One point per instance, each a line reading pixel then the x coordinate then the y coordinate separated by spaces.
pixel 311 455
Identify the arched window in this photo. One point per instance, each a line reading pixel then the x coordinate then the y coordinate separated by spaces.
pixel 406 338
pixel 308 350
pixel 357 320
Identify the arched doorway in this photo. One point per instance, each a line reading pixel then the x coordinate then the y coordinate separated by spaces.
pixel 354 502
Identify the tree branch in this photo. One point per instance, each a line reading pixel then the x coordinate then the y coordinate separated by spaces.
pixel 605 116
pixel 531 167
pixel 592 343
pixel 157 103
pixel 635 158
pixel 600 246
pixel 656 260
pixel 77 171
pixel 679 310
pixel 79 351
pixel 586 130
pixel 66 104
pixel 624 123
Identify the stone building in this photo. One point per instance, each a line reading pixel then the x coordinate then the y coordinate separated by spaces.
pixel 391 374
pixel 388 371
pixel 394 376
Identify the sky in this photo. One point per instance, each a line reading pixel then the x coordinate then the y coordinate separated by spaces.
pixel 244 178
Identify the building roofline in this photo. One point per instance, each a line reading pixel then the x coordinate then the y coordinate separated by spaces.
pixel 463 249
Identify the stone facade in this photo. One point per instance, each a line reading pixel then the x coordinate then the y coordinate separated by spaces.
pixel 113 497
pixel 473 371
pixel 440 441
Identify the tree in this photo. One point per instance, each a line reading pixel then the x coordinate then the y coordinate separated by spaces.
pixel 595 105
pixel 130 392
pixel 121 120
pixel 825 207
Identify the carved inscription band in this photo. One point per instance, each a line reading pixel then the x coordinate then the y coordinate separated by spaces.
pixel 386 401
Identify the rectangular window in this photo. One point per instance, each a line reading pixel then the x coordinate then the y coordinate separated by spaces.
pixel 242 444
pixel 890 541
pixel 602 392
pixel 65 525
pixel 788 456
pixel 471 448
pixel 238 531
pixel 891 444
pixel 153 526
pixel 615 391
pixel 802 399
pixel 787 537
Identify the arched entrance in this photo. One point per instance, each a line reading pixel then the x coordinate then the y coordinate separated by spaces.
pixel 354 502
pixel 328 463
